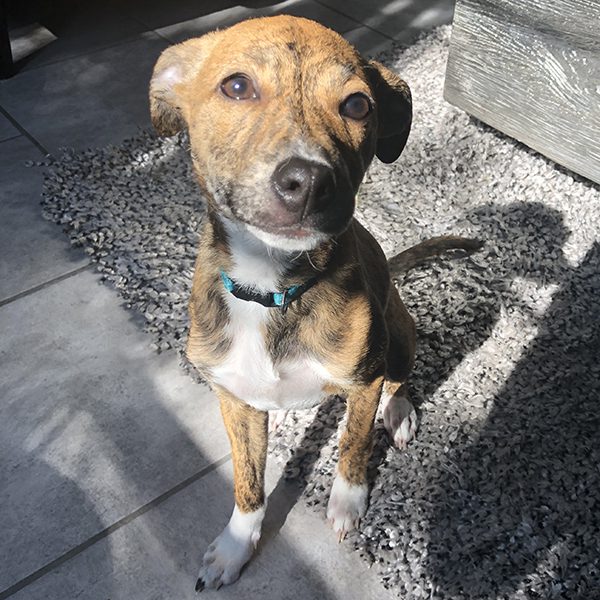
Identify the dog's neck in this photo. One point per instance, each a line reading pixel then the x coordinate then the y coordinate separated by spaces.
pixel 255 264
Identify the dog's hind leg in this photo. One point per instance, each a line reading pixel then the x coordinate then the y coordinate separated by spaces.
pixel 247 432
pixel 349 494
pixel 399 416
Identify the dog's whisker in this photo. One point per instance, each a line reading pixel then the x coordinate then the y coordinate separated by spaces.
pixel 312 264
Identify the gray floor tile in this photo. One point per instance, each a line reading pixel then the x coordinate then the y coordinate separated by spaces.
pixel 155 14
pixel 402 20
pixel 7 129
pixel 368 42
pixel 32 250
pixel 316 11
pixel 88 101
pixel 93 424
pixel 224 18
pixel 369 13
pixel 157 555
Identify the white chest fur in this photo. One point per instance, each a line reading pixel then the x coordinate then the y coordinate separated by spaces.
pixel 248 370
pixel 249 373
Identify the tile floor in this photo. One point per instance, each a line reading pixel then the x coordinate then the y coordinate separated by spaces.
pixel 115 472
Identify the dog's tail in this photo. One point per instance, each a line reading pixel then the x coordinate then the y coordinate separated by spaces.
pixel 421 253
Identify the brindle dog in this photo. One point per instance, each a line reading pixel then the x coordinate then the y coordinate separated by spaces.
pixel 292 299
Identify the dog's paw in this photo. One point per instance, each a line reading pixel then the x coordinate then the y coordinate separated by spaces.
pixel 276 419
pixel 400 420
pixel 347 505
pixel 232 549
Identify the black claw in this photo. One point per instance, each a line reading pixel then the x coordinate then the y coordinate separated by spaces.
pixel 199 585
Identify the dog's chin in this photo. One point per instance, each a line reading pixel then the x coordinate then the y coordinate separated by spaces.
pixel 289 239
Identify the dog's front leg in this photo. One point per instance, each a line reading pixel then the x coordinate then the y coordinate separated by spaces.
pixel 247 431
pixel 349 494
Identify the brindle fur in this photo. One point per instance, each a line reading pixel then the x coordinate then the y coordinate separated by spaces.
pixel 352 320
pixel 247 432
pixel 356 442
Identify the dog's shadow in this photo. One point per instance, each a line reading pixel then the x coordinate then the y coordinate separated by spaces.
pixel 456 302
pixel 507 232
pixel 521 509
pixel 300 465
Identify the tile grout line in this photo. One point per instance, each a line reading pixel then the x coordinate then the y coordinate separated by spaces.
pixel 162 37
pixel 24 131
pixel 13 589
pixel 45 284
pixel 12 137
pixel 150 29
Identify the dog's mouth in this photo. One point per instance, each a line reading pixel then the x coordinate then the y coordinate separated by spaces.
pixel 294 233
pixel 296 238
pixel 281 231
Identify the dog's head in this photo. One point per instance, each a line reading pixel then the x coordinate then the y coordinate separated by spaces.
pixel 284 117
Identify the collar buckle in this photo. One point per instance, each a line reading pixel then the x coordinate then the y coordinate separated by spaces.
pixel 284 304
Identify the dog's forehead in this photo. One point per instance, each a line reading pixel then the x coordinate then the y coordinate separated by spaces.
pixel 289 43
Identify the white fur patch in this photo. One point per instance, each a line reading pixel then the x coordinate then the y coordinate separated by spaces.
pixel 248 371
pixel 232 549
pixel 347 505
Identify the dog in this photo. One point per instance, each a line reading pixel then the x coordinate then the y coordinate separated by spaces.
pixel 292 299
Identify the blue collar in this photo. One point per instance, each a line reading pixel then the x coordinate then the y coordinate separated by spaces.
pixel 281 300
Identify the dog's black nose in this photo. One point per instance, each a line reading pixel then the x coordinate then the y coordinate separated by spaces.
pixel 303 186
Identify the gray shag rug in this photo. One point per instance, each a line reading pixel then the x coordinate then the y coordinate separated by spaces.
pixel 499 496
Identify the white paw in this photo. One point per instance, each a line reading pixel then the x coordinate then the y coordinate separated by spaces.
pixel 231 550
pixel 400 419
pixel 347 505
pixel 276 419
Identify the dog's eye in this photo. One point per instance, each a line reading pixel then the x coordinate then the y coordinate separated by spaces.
pixel 238 87
pixel 356 106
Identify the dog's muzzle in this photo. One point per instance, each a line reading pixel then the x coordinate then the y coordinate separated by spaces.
pixel 310 197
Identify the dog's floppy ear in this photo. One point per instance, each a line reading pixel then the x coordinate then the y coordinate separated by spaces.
pixel 394 106
pixel 175 68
